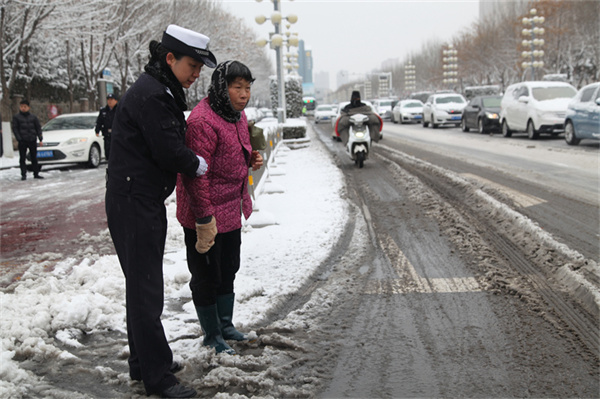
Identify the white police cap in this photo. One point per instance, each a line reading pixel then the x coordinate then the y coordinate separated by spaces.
pixel 190 43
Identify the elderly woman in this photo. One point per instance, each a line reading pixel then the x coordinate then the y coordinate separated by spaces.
pixel 210 208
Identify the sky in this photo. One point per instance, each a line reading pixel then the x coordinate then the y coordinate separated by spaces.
pixel 357 36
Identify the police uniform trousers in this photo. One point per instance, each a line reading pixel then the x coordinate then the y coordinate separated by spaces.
pixel 138 226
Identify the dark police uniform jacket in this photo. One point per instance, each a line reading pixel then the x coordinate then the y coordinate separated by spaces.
pixel 148 143
pixel 105 119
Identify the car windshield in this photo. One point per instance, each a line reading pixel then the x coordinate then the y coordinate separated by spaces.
pixel 412 105
pixel 71 123
pixel 492 102
pixel 450 99
pixel 385 103
pixel 323 108
pixel 550 93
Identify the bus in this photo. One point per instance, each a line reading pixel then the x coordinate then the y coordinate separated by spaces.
pixel 310 103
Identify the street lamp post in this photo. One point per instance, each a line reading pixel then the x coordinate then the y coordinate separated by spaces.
pixel 533 43
pixel 450 65
pixel 276 43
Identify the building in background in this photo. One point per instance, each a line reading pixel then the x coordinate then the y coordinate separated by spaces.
pixel 305 68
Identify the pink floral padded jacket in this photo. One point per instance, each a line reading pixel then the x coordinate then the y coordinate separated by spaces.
pixel 223 191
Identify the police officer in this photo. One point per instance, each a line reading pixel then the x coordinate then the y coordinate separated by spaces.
pixel 148 150
pixel 105 120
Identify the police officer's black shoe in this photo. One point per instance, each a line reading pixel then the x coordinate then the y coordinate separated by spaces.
pixel 176 367
pixel 23 177
pixel 178 391
pixel 38 177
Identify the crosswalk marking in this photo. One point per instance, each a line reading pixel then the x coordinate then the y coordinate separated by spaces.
pixel 409 281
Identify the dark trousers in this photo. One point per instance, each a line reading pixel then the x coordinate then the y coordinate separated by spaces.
pixel 106 147
pixel 138 227
pixel 32 147
pixel 213 273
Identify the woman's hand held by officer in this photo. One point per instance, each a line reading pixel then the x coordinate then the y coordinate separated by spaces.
pixel 256 160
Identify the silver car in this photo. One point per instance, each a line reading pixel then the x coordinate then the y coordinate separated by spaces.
pixel 583 115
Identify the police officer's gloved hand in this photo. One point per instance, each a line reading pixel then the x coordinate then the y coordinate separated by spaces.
pixel 206 230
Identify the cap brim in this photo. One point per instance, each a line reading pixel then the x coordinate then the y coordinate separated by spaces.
pixel 208 60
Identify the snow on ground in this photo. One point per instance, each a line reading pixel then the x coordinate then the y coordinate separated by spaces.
pixel 303 203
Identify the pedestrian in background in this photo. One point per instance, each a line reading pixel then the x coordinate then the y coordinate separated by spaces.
pixel 27 130
pixel 210 208
pixel 148 150
pixel 105 120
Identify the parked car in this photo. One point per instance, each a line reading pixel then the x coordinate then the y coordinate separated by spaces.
pixel 482 113
pixel 583 115
pixel 71 138
pixel 384 108
pixel 443 109
pixel 407 111
pixel 535 107
pixel 324 113
pixel 420 95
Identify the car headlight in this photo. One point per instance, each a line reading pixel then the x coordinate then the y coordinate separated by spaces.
pixel 76 140
pixel 491 115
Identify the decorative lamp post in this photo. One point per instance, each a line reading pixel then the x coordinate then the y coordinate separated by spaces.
pixel 533 42
pixel 450 65
pixel 277 42
pixel 410 80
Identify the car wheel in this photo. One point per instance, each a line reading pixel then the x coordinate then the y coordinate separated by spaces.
pixel 506 132
pixel 531 132
pixel 480 128
pixel 94 156
pixel 570 136
pixel 463 125
pixel 433 124
pixel 424 122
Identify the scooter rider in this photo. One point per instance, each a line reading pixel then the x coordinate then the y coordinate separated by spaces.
pixel 357 107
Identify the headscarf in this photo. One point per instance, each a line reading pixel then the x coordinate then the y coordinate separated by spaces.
pixel 218 94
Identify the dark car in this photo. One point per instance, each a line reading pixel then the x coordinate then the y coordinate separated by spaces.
pixel 482 113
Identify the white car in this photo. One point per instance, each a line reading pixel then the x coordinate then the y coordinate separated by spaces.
pixel 443 109
pixel 535 107
pixel 324 113
pixel 407 111
pixel 384 108
pixel 71 138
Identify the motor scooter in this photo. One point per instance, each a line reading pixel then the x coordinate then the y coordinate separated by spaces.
pixel 359 139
